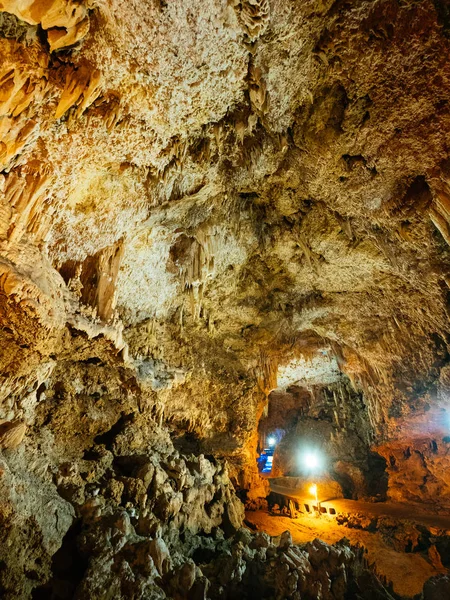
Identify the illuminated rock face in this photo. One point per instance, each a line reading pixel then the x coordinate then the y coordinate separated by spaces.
pixel 330 424
pixel 196 196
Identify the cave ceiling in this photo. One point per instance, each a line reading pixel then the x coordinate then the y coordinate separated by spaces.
pixel 210 191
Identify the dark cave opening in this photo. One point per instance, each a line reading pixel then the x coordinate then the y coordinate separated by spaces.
pixel 68 568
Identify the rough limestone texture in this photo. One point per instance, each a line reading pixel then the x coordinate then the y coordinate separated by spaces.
pixel 132 518
pixel 200 203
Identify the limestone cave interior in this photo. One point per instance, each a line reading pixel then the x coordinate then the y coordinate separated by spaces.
pixel 224 299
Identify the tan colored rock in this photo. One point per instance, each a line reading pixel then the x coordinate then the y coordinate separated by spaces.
pixel 12 434
pixel 435 558
pixel 59 39
pixel 160 554
pixel 55 16
pixel 254 16
pixel 82 88
pixel 235 192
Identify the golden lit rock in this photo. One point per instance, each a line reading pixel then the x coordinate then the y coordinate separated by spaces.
pixel 12 434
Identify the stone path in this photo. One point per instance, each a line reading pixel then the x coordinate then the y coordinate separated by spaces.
pixel 389 509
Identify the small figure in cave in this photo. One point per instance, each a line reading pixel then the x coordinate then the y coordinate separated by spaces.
pixel 262 460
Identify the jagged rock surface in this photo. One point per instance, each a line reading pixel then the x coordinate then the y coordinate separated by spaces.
pixel 135 519
pixel 271 184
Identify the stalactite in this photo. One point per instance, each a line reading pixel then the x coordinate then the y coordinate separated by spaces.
pixel 82 88
pixel 65 21
pixel 219 136
pixel 267 372
pixel 441 224
pixel 113 112
pixel 21 86
pixel 254 16
pixel 98 276
pixel 25 192
pixel 308 254
pixel 196 265
pixel 257 90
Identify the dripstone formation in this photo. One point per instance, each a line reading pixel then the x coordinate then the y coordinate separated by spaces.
pixel 209 209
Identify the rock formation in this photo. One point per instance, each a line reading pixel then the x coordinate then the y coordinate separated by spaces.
pixel 206 206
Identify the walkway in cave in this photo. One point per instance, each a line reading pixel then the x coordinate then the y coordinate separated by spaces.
pixel 407 571
pixel 398 511
pixel 406 567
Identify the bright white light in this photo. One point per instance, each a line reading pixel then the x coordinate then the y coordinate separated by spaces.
pixel 312 460
pixel 272 441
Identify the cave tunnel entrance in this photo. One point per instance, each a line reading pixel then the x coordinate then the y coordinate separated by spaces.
pixel 315 430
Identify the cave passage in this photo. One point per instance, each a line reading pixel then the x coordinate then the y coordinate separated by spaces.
pixel 328 479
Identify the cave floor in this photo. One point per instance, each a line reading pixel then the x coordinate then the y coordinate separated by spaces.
pixel 399 511
pixel 413 512
pixel 407 571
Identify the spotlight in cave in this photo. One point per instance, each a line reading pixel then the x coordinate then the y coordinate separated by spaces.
pixel 312 461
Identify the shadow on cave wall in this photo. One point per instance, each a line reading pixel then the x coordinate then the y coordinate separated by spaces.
pixel 68 568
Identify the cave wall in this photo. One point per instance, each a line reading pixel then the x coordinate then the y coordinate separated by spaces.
pixel 112 509
pixel 299 193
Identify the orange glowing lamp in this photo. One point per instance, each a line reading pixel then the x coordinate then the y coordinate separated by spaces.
pixel 313 492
